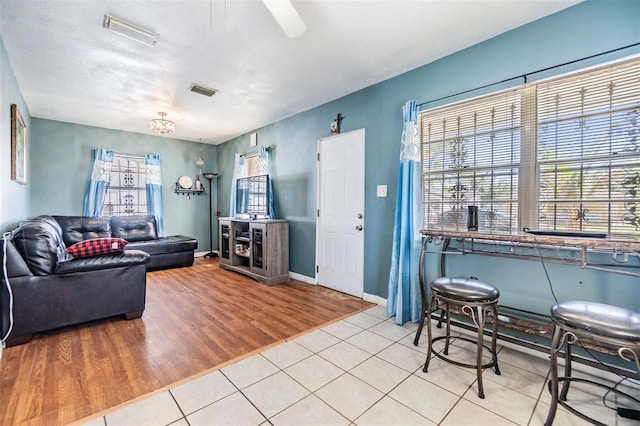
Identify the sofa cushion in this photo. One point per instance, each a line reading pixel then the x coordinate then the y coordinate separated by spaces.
pixel 108 261
pixel 97 246
pixel 134 228
pixel 80 228
pixel 39 242
pixel 164 245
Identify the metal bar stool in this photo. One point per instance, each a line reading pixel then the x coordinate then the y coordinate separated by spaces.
pixel 477 299
pixel 610 326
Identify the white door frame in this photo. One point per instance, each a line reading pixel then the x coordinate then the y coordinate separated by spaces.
pixel 356 287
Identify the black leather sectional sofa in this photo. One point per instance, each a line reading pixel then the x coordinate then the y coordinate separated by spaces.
pixel 140 232
pixel 53 289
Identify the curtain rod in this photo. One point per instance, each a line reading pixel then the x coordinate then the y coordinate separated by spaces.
pixel 123 154
pixel 252 153
pixel 524 76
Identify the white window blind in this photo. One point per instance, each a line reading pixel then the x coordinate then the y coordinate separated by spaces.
pixel 560 154
pixel 471 156
pixel 589 151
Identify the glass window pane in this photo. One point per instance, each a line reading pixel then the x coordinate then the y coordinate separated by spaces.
pixel 471 154
pixel 588 140
pixel 127 193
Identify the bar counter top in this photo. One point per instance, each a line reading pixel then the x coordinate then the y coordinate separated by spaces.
pixel 605 243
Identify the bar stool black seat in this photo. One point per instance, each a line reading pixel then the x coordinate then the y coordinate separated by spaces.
pixel 610 326
pixel 476 298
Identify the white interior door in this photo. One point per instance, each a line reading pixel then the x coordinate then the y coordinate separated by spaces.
pixel 340 230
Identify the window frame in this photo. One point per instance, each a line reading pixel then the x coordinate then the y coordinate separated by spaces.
pixel 529 195
pixel 137 190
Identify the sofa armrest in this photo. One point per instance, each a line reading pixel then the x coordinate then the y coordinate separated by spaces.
pixel 39 242
pixel 16 266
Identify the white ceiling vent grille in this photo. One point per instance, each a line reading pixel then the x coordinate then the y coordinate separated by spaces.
pixel 206 91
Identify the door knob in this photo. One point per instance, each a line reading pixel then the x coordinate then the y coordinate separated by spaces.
pixel 359 227
pixel 359 215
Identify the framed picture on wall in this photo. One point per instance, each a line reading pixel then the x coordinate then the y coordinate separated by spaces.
pixel 18 146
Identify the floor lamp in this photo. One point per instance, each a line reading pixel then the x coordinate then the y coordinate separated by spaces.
pixel 210 177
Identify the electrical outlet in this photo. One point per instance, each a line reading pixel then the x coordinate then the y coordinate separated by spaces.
pixel 381 190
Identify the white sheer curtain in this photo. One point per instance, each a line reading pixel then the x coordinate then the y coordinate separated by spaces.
pixel 265 169
pixel 154 191
pixel 238 172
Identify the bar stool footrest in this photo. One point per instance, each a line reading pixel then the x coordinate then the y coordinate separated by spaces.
pixel 583 416
pixel 491 364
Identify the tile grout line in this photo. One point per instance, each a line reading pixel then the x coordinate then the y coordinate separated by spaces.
pixel 402 341
pixel 184 416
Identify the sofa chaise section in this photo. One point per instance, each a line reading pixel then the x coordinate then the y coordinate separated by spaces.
pixel 141 234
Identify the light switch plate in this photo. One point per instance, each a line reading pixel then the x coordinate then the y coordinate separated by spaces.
pixel 382 190
pixel 253 139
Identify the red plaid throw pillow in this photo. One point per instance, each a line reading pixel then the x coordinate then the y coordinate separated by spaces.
pixel 96 246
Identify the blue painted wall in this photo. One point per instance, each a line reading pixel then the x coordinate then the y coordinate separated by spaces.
pixel 62 157
pixel 14 197
pixel 586 29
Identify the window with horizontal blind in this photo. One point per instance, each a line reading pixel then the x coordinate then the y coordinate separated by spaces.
pixel 561 154
pixel 471 156
pixel 127 193
pixel 589 151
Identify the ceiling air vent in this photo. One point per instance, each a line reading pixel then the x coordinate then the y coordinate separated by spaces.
pixel 206 91
pixel 129 30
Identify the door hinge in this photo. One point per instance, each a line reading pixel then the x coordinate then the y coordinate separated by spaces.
pixel 317 269
pixel 318 156
pixel 318 212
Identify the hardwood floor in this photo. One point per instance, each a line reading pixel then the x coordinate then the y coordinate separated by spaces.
pixel 196 319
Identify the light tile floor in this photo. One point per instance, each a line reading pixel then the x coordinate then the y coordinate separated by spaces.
pixel 363 370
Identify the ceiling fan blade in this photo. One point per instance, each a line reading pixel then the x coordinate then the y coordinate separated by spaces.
pixel 286 16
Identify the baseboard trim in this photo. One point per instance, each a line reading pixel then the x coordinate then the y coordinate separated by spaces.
pixel 202 253
pixel 303 278
pixel 381 301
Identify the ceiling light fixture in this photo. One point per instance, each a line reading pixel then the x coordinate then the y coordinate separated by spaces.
pixel 206 91
pixel 162 126
pixel 129 30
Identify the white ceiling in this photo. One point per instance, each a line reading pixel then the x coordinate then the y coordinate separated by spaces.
pixel 70 68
